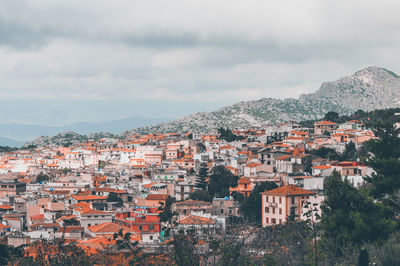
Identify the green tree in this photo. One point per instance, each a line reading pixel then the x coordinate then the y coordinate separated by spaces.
pixel 326 153
pixel 201 180
pixel 350 152
pixel 220 180
pixel 202 195
pixel 349 216
pixel 331 116
pixel 227 134
pixel 251 206
pixel 385 161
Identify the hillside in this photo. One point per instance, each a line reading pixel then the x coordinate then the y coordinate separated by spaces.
pixel 368 89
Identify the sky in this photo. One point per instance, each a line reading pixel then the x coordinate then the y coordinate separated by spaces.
pixel 71 61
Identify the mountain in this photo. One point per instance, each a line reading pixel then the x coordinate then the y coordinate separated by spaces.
pixel 7 142
pixel 15 134
pixel 368 89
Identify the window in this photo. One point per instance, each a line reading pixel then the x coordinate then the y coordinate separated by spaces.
pixel 151 227
pixel 221 203
pixel 266 199
pixel 89 224
pixel 222 210
pixel 355 171
pixel 273 221
pixel 245 186
pixel 273 210
pixel 292 200
pixel 280 210
pixel 184 211
pixel 266 209
pixel 280 199
pixel 280 221
pixel 230 211
pixel 151 237
pixel 267 220
pixel 273 199
pixel 140 227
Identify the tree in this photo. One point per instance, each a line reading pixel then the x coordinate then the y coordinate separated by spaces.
pixel 227 134
pixel 349 216
pixel 326 153
pixel 350 152
pixel 113 197
pixel 201 180
pixel 42 177
pixel 202 195
pixel 220 180
pixel 385 161
pixel 251 206
pixel 331 116
pixel 124 241
pixel 184 251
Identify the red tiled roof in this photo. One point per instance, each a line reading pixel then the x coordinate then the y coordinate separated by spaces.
pixel 288 190
pixel 108 228
pixel 93 212
pixel 325 123
pixel 157 197
pixel 191 219
pixel 89 197
pixel 5 207
pixel 322 167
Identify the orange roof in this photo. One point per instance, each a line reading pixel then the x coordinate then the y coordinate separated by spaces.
pixel 284 157
pixel 93 212
pixel 288 190
pixel 322 167
pixel 253 165
pixel 191 219
pixel 325 123
pixel 5 207
pixel 244 181
pixel 149 185
pixel 89 197
pixel 157 197
pixel 110 228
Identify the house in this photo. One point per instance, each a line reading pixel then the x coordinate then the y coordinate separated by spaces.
pixel 11 188
pixel 281 203
pixel 324 127
pixel 224 207
pixel 244 186
pixel 189 206
pixel 93 217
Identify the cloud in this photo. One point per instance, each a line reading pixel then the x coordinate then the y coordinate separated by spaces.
pixel 215 52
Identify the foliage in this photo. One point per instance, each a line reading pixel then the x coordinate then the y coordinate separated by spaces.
pixel 9 254
pixel 184 251
pixel 250 207
pixel 42 177
pixel 167 213
pixel 220 180
pixel 227 134
pixel 66 170
pixel 326 153
pixel 102 164
pixel 385 162
pixel 113 197
pixel 201 180
pixel 331 116
pixel 124 241
pixel 349 216
pixel 202 195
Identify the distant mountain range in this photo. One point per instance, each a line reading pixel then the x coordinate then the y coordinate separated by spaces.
pixel 368 89
pixel 15 135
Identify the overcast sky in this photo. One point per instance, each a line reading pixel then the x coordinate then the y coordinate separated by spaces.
pixel 74 60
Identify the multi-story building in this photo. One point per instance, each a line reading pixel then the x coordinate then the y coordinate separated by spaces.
pixel 281 203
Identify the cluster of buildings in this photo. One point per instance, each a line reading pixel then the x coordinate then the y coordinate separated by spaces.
pixel 87 192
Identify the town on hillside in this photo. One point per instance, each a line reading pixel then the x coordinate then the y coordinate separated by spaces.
pixel 149 194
